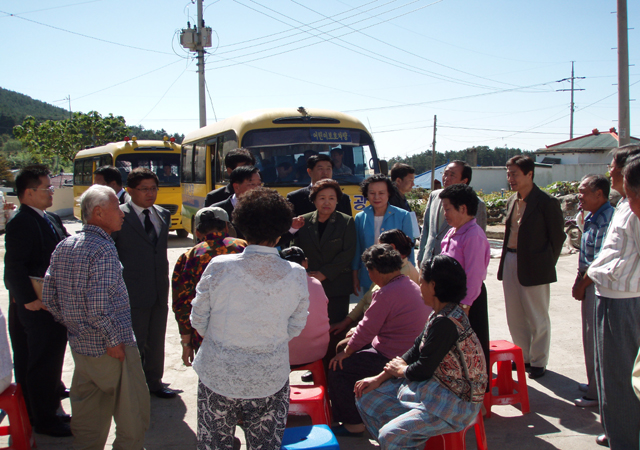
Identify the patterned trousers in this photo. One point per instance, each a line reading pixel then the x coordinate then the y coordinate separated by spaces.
pixel 264 419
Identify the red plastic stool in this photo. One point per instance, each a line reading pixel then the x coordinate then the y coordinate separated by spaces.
pixel 510 392
pixel 12 402
pixel 456 441
pixel 317 370
pixel 309 400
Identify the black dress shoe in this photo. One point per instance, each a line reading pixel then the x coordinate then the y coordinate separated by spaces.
pixel 602 440
pixel 58 430
pixel 527 366
pixel 537 372
pixel 307 377
pixel 164 393
pixel 64 418
pixel 64 394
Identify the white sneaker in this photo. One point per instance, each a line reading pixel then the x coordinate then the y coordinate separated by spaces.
pixel 585 402
pixel 583 387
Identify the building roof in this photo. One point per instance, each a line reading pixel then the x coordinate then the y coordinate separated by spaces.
pixel 596 141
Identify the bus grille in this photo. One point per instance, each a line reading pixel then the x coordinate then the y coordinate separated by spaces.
pixel 172 208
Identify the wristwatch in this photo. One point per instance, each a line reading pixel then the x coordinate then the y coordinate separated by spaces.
pixel 464 306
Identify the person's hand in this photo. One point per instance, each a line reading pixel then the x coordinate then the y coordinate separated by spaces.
pixel 356 283
pixel 396 367
pixel 35 305
pixel 339 327
pixel 366 385
pixel 9 206
pixel 317 275
pixel 337 360
pixel 187 355
pixel 579 288
pixel 298 222
pixel 116 352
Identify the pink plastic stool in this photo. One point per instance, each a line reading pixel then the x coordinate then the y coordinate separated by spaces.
pixel 456 441
pixel 510 392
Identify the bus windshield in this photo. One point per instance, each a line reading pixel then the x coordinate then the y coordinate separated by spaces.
pixel 166 166
pixel 282 154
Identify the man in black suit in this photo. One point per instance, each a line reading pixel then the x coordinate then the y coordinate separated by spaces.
pixel 38 341
pixel 403 177
pixel 142 248
pixel 243 179
pixel 110 176
pixel 235 158
pixel 319 167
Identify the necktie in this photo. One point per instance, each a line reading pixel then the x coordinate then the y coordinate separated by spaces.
pixel 148 227
pixel 55 233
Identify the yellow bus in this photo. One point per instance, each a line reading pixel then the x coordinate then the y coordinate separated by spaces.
pixel 280 140
pixel 163 157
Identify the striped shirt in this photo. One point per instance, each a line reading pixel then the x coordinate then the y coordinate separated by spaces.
pixel 595 229
pixel 84 290
pixel 616 269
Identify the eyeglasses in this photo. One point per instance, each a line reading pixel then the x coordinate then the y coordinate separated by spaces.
pixel 50 189
pixel 147 190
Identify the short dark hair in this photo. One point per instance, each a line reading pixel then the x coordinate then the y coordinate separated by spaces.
pixel 209 223
pixel 449 277
pixel 364 186
pixel 239 156
pixel 293 254
pixel 403 243
pixel 597 183
pixel 262 215
pixel 137 175
pixel 110 174
pixel 242 173
pixel 621 154
pixel 315 159
pixel 401 170
pixel 467 171
pixel 325 184
pixel 631 174
pixel 461 194
pixel 383 258
pixel 29 177
pixel 524 163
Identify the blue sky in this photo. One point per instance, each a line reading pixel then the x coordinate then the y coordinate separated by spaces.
pixel 489 70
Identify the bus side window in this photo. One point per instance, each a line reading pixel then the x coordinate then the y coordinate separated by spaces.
pixel 187 163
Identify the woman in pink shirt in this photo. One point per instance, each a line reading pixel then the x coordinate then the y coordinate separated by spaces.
pixel 467 243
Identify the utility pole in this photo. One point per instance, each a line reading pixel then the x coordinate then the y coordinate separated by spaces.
pixel 196 39
pixel 70 113
pixel 573 106
pixel 624 133
pixel 433 155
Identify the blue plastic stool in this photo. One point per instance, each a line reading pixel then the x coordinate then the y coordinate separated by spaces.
pixel 309 438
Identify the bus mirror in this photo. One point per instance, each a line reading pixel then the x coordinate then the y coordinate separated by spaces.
pixel 384 166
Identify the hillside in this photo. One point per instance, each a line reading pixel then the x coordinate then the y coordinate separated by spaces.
pixel 14 107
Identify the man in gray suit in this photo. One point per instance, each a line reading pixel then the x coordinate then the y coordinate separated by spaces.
pixel 435 227
pixel 142 248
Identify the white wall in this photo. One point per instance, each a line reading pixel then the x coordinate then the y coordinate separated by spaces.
pixel 575 172
pixel 62 201
pixel 602 157
pixel 489 179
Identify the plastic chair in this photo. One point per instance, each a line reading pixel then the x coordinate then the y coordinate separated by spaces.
pixel 19 428
pixel 510 392
pixel 308 438
pixel 456 441
pixel 311 399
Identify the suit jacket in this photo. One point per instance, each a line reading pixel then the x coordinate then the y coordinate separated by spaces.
pixel 302 205
pixel 218 195
pixel 29 243
pixel 393 218
pixel 432 234
pixel 332 253
pixel 124 198
pixel 540 238
pixel 397 199
pixel 145 265
pixel 228 207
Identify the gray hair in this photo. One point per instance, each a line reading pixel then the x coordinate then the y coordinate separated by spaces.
pixel 631 173
pixel 597 182
pixel 96 195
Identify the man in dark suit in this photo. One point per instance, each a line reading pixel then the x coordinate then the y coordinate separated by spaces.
pixel 403 177
pixel 243 179
pixel 38 341
pixel 110 176
pixel 142 248
pixel 235 158
pixel 319 167
pixel 533 238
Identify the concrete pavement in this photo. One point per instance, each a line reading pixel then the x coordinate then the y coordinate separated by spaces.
pixel 554 422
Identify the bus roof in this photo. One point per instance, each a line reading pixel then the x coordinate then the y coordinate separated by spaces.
pixel 113 147
pixel 263 118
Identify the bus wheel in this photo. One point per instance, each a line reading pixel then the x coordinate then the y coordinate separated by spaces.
pixel 182 233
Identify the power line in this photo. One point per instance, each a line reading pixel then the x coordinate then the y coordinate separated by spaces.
pixel 165 93
pixel 53 7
